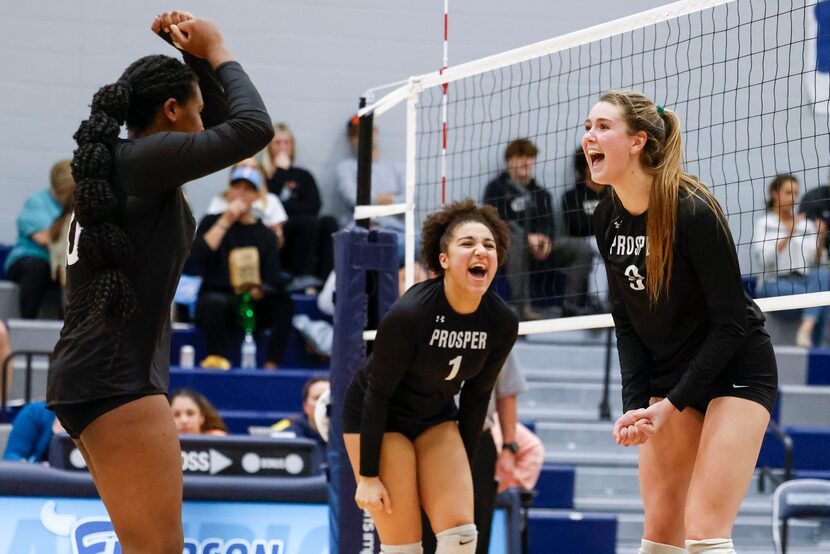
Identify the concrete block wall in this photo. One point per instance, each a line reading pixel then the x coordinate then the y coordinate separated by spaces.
pixel 311 59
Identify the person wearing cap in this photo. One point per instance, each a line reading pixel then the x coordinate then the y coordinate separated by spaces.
pixel 235 252
pixel 267 207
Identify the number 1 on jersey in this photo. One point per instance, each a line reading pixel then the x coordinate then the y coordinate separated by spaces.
pixel 455 364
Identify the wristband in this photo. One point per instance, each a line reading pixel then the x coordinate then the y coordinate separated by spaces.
pixel 511 446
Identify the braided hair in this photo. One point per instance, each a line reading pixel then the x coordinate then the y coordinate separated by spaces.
pixel 104 246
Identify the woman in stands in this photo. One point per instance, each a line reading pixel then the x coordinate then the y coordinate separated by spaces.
pixel 698 372
pixel 129 237
pixel 789 249
pixel 408 443
pixel 195 415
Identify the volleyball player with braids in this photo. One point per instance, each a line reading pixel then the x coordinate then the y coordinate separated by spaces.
pixel 408 443
pixel 699 377
pixel 130 233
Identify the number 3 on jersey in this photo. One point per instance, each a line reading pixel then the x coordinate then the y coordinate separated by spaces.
pixel 455 365
pixel 635 280
pixel 72 243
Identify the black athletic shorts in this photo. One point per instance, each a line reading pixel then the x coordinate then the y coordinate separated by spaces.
pixel 411 429
pixel 76 417
pixel 752 373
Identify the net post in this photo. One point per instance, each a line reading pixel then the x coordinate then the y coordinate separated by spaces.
pixel 605 405
pixel 409 217
pixel 364 161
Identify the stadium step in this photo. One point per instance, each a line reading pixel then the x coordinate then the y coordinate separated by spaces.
pixel 751 532
pixel 552 401
pixel 621 482
pixel 804 405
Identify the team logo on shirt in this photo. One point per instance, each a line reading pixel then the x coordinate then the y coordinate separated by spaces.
pixel 439 319
pixel 473 340
pixel 625 245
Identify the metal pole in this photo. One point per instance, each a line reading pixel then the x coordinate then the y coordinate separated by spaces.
pixel 605 405
pixel 364 162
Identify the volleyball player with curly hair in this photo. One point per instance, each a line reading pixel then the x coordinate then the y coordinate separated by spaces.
pixel 129 236
pixel 699 377
pixel 409 445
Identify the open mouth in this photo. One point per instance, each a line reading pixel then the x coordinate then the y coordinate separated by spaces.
pixel 595 157
pixel 478 271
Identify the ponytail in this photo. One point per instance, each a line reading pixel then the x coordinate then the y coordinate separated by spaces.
pixel 104 246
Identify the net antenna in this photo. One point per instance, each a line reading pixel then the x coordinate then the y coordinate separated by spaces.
pixel 733 71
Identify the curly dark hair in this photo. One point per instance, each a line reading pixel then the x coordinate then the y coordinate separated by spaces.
pixel 104 246
pixel 440 226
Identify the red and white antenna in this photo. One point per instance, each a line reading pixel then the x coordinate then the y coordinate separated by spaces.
pixel 444 86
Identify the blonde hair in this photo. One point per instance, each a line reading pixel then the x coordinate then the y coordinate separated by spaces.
pixel 661 157
pixel 267 157
pixel 60 177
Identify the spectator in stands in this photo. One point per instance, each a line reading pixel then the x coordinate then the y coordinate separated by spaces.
pixel 578 203
pixel 31 434
pixel 529 456
pixel 388 186
pixel 195 415
pixel 308 253
pixel 58 246
pixel 303 425
pixel 235 253
pixel 267 208
pixel 528 208
pixel 28 262
pixel 789 250
pixel 815 204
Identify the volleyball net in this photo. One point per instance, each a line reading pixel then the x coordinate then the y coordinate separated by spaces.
pixel 748 79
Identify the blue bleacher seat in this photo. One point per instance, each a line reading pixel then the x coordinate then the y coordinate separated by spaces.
pixel 261 391
pixel 563 532
pixel 818 366
pixel 4 253
pixel 811 449
pixel 238 421
pixel 555 488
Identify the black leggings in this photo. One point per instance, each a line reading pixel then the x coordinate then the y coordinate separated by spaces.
pixel 217 314
pixel 34 278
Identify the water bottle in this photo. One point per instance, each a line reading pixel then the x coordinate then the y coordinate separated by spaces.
pixel 187 357
pixel 248 360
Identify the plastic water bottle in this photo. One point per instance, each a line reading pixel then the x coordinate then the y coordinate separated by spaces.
pixel 248 360
pixel 187 357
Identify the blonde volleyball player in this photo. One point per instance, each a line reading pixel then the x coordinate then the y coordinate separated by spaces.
pixel 698 372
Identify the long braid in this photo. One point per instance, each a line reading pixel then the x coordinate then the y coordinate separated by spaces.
pixel 104 246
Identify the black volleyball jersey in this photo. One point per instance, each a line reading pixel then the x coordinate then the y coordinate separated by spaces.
pixel 98 361
pixel 689 336
pixel 422 354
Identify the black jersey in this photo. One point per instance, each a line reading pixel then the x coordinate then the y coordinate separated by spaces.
pixel 98 361
pixel 689 336
pixel 423 353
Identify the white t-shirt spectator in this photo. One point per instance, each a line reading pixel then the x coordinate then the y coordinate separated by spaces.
pixel 800 255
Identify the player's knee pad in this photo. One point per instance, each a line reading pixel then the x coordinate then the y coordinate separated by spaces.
pixel 711 546
pixel 651 547
pixel 412 548
pixel 457 540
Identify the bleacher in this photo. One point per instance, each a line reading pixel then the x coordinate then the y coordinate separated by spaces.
pixel 566 374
